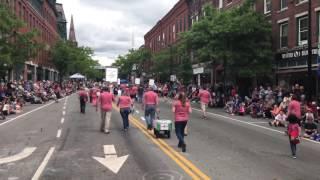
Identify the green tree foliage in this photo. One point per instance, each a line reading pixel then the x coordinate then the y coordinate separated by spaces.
pixel 15 47
pixel 70 59
pixel 241 36
pixel 137 58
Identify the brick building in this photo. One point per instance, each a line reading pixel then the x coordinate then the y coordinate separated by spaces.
pixel 289 19
pixel 290 40
pixel 41 15
pixel 165 32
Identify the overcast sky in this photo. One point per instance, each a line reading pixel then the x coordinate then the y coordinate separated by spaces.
pixel 108 26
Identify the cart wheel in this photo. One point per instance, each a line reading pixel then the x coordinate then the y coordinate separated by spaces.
pixel 169 134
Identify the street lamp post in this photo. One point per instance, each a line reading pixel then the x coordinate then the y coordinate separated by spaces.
pixel 309 85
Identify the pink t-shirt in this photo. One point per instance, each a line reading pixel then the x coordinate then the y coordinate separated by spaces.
pixel 150 98
pixel 181 112
pixel 134 90
pixel 204 96
pixel 106 100
pixel 295 109
pixel 83 94
pixel 125 102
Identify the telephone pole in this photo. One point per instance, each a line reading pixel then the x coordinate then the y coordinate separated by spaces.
pixel 309 85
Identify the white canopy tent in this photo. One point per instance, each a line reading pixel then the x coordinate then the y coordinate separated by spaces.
pixel 77 76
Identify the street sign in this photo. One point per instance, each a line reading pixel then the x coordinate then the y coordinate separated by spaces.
pixel 151 82
pixel 173 78
pixel 111 159
pixel 137 81
pixel 198 70
pixel 111 74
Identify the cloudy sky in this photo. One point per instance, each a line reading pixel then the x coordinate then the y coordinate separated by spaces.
pixel 108 26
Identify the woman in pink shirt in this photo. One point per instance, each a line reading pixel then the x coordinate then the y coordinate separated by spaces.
pixel 125 103
pixel 181 109
pixel 205 99
pixel 294 108
pixel 294 132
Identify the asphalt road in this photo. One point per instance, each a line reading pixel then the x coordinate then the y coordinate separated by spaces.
pixel 222 147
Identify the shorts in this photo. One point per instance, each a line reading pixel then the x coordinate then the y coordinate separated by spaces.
pixel 204 106
pixel 133 96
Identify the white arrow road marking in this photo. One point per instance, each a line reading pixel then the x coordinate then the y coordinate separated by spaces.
pixel 111 160
pixel 44 163
pixel 25 153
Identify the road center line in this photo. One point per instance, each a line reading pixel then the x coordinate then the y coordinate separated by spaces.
pixel 59 133
pixel 181 161
pixel 62 120
pixel 44 163
pixel 64 113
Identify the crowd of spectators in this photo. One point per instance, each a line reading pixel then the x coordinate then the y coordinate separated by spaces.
pixel 264 102
pixel 15 95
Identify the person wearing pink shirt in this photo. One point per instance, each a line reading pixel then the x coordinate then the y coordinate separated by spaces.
pixel 149 103
pixel 83 97
pixel 105 102
pixel 205 99
pixel 181 109
pixel 294 108
pixel 125 103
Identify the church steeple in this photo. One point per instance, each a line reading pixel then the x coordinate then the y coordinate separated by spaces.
pixel 72 33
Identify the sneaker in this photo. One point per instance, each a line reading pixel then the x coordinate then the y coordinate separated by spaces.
pixel 179 145
pixel 294 157
pixel 184 147
pixel 270 124
pixel 107 132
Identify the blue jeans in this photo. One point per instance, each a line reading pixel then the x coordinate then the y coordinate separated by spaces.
pixel 150 114
pixel 179 127
pixel 125 117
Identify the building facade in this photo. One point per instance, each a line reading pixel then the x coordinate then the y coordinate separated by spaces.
pixel 290 29
pixel 165 32
pixel 42 16
pixel 289 19
pixel 61 22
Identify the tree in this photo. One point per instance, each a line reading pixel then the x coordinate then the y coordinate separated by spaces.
pixel 239 38
pixel 135 58
pixel 70 59
pixel 15 47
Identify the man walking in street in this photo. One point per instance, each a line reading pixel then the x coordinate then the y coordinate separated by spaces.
pixel 205 98
pixel 105 102
pixel 149 104
pixel 83 96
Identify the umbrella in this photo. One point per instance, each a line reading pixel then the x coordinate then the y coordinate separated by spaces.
pixel 77 76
